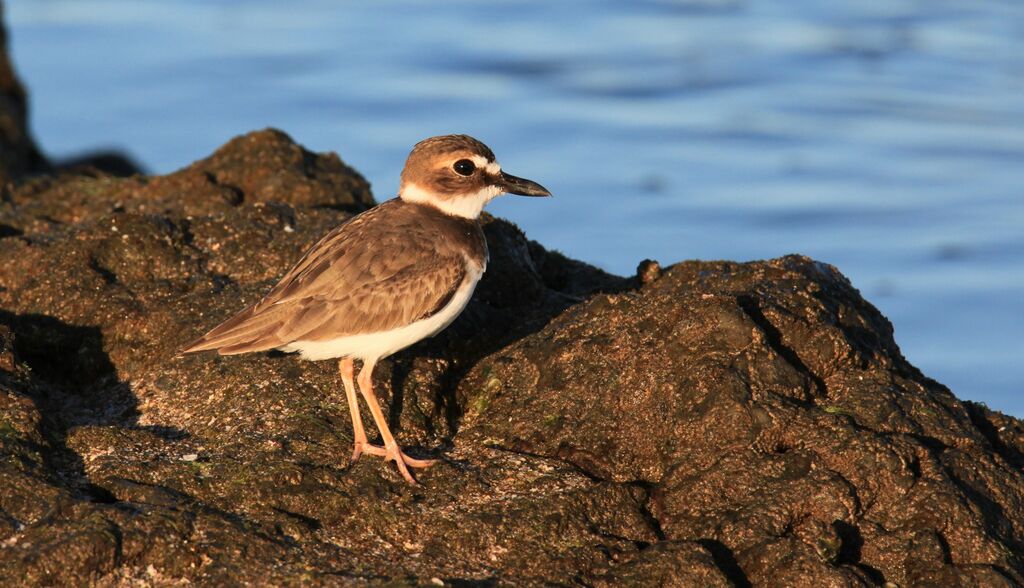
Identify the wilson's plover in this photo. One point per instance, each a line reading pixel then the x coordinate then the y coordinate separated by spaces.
pixel 387 278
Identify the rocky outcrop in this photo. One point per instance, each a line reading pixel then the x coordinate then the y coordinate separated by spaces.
pixel 709 423
pixel 18 153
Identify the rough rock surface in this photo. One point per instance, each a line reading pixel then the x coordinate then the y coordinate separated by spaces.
pixel 18 154
pixel 710 423
pixel 705 424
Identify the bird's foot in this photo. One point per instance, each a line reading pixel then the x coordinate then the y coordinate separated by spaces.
pixel 394 453
pixel 361 447
pixel 412 461
pixel 397 455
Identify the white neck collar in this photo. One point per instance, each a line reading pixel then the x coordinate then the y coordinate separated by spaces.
pixel 468 206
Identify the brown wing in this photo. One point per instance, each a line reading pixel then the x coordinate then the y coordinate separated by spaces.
pixel 372 274
pixel 412 294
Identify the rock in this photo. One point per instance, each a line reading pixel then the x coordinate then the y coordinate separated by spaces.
pixel 112 163
pixel 714 423
pixel 18 153
pixel 768 414
pixel 260 167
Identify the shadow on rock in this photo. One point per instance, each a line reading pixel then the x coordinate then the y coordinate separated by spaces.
pixel 76 385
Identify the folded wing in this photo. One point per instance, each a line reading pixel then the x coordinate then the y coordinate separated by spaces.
pixel 351 282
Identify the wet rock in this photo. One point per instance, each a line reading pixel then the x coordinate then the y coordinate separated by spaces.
pixel 112 163
pixel 668 564
pixel 18 153
pixel 717 424
pixel 648 271
pixel 260 167
pixel 723 424
pixel 770 413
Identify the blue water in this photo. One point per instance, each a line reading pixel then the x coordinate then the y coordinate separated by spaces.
pixel 884 137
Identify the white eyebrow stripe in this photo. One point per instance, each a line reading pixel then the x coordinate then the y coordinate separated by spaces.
pixel 493 168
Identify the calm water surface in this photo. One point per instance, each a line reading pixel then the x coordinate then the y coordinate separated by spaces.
pixel 884 137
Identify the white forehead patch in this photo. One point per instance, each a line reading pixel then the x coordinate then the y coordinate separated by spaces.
pixel 491 167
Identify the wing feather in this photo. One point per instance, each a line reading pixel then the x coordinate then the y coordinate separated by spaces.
pixel 357 279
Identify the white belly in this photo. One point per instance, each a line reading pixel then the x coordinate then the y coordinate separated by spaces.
pixel 373 346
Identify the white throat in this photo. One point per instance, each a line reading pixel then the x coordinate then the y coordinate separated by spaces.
pixel 467 206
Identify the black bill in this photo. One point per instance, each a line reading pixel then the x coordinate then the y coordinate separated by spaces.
pixel 521 186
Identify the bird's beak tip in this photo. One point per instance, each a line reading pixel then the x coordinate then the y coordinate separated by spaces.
pixel 522 187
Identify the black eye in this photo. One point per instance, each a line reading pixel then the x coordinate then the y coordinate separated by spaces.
pixel 464 167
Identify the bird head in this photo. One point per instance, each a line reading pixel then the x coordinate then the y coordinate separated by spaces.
pixel 459 175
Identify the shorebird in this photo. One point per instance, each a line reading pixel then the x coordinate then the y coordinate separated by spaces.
pixel 385 279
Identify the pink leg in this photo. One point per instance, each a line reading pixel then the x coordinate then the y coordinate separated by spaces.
pixel 347 369
pixel 391 448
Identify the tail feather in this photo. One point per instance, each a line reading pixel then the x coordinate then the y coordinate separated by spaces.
pixel 248 346
pixel 246 331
